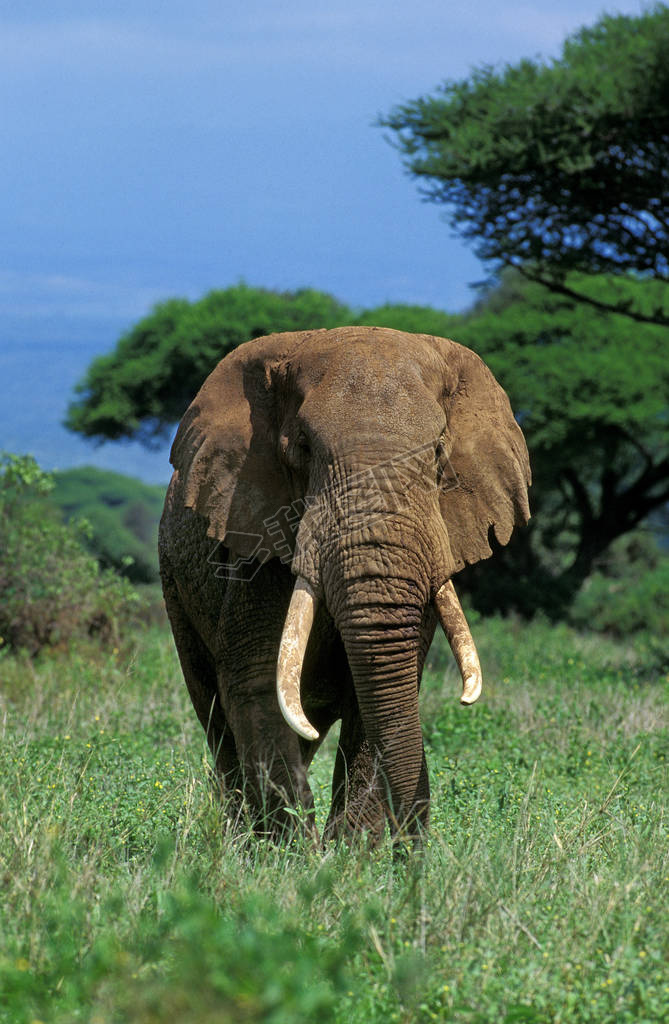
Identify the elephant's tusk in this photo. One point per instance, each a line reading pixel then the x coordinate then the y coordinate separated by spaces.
pixel 455 627
pixel 294 639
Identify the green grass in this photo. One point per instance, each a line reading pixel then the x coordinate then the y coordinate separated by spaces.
pixel 541 894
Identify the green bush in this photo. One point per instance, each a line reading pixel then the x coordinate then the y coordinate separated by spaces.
pixel 185 960
pixel 629 593
pixel 123 514
pixel 51 589
pixel 246 963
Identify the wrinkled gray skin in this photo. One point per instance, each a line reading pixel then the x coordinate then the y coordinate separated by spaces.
pixel 409 454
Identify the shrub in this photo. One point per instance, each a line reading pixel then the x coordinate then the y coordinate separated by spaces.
pixel 123 514
pixel 51 589
pixel 256 963
pixel 629 593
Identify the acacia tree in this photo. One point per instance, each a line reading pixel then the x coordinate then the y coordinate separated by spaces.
pixel 559 167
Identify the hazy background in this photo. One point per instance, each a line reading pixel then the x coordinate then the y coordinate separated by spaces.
pixel 153 150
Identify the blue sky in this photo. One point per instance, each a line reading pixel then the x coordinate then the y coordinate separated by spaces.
pixel 153 149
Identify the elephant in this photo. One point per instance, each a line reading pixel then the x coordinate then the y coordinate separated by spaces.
pixel 327 485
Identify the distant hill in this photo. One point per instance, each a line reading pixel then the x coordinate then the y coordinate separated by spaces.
pixel 123 513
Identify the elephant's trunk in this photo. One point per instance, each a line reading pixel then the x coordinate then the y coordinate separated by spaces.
pixel 381 639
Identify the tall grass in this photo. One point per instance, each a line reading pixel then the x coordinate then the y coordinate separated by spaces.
pixel 540 895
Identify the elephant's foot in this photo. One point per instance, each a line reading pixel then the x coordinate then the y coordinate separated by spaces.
pixel 278 807
pixel 357 811
pixel 286 825
pixel 356 825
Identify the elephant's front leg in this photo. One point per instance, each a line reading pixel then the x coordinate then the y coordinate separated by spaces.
pixel 357 806
pixel 274 780
pixel 357 800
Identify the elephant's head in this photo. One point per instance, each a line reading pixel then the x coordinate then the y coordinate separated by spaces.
pixel 375 463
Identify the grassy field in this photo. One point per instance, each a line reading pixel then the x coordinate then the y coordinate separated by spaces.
pixel 541 895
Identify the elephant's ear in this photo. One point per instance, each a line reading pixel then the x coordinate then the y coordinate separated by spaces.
pixel 225 449
pixel 485 480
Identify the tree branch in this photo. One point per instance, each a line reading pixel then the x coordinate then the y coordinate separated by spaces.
pixel 580 495
pixel 641 449
pixel 659 317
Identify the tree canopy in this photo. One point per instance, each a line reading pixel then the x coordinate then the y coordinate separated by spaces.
pixel 557 167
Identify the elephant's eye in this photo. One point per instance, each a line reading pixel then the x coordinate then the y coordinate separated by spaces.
pixel 447 477
pixel 439 458
pixel 295 450
pixel 301 449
